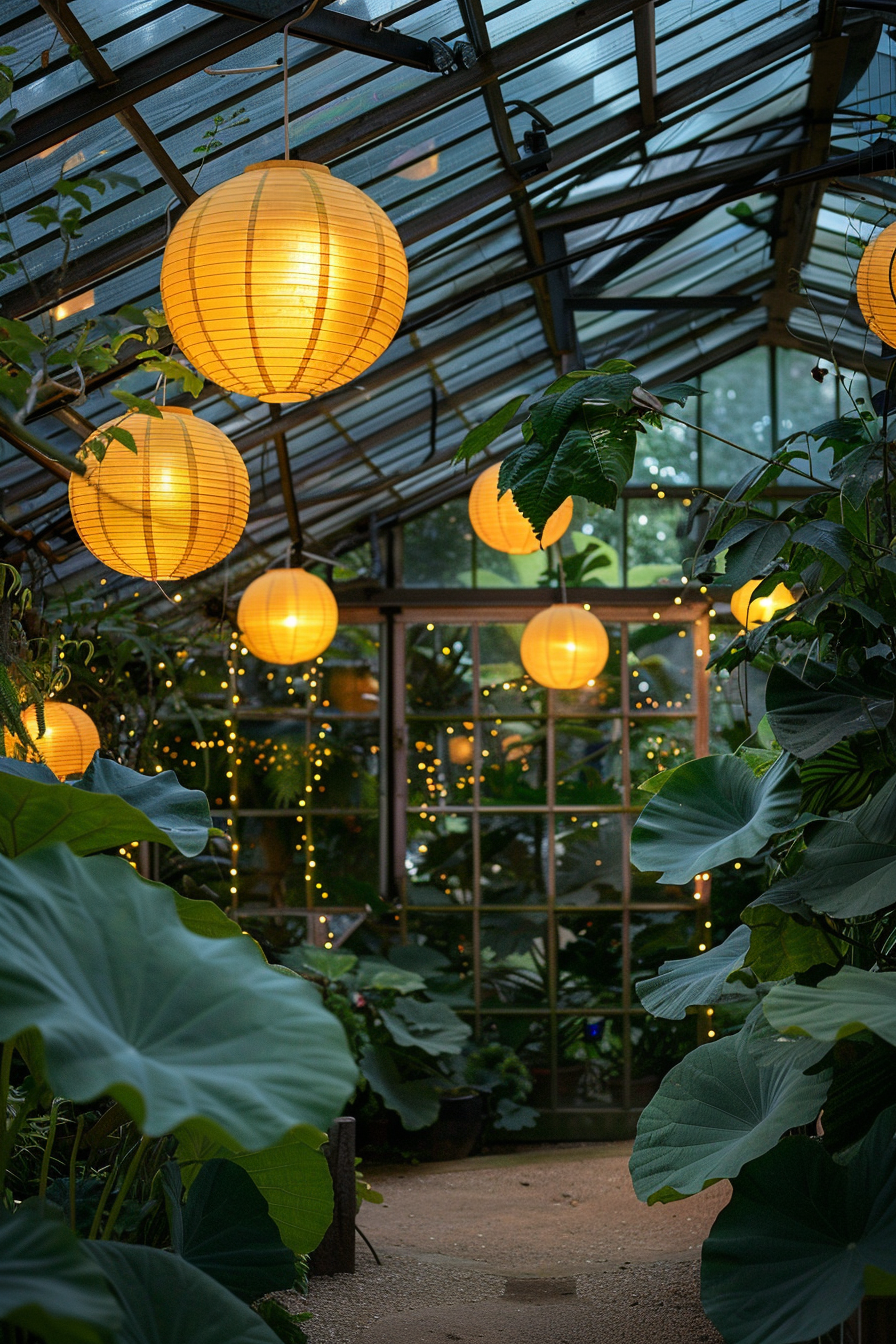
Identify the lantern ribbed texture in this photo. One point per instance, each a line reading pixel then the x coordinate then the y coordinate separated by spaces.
pixel 177 507
pixel 285 282
pixel 876 285
pixel 287 616
pixel 499 523
pixel 564 647
pixel 70 739
pixel 751 614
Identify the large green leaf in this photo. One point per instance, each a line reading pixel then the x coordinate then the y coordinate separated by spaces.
pixel 109 807
pixel 182 814
pixel 173 1025
pixel 684 984
pixel 293 1176
pixel 720 1108
pixel 839 1006
pixel 166 1300
pixel 781 945
pixel 49 1287
pixel 225 1230
pixel 434 1027
pixel 713 810
pixel 849 868
pixel 479 438
pixel 813 711
pixel 417 1103
pixel 786 1259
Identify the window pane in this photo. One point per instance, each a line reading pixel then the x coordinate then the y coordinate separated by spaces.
pixel 515 769
pixel 589 859
pixel 439 668
pixel 514 859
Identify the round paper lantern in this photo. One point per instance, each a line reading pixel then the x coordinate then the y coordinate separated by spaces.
pixel 176 507
pixel 564 647
pixel 70 739
pixel 875 282
pixel 752 612
pixel 499 523
pixel 283 283
pixel 287 616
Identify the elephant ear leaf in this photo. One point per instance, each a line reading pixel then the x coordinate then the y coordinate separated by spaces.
pixel 49 1287
pixel 720 1108
pixel 417 1103
pixel 126 1000
pixel 694 981
pixel 839 1006
pixel 165 1298
pixel 812 712
pixel 229 1234
pixel 711 811
pixel 840 1220
pixel 109 807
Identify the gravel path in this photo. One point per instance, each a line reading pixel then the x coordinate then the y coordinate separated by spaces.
pixel 544 1247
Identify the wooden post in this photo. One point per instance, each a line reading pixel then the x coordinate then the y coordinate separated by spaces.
pixel 336 1253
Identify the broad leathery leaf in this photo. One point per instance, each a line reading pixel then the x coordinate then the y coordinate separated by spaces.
pixel 832 539
pixel 229 1234
pixel 433 1027
pixel 781 946
pixel 107 809
pixel 293 1176
pixel 749 557
pixel 716 1111
pixel 714 809
pixel 174 1026
pixel 786 1259
pixel 695 981
pixel 677 392
pixel 858 472
pixel 49 1287
pixel 809 713
pixel 417 1104
pixel 849 867
pixel 577 375
pixel 166 1300
pixel 842 1004
pixel 479 438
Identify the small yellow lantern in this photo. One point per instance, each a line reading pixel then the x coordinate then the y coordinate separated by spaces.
pixel 287 616
pixel 499 523
pixel 752 612
pixel 564 647
pixel 875 280
pixel 177 507
pixel 283 283
pixel 69 741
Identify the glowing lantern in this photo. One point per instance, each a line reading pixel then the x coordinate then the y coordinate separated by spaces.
pixel 499 523
pixel 875 281
pixel 287 616
pixel 751 612
pixel 177 507
pixel 564 647
pixel 283 283
pixel 69 742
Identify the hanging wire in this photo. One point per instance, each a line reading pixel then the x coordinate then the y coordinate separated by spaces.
pixel 311 7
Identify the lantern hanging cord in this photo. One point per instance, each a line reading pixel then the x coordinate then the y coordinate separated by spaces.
pixel 561 574
pixel 310 8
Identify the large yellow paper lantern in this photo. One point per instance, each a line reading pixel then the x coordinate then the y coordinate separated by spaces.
pixel 285 282
pixel 69 741
pixel 177 506
pixel 752 612
pixel 287 616
pixel 499 523
pixel 564 647
pixel 875 281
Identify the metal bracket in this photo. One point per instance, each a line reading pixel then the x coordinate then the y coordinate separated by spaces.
pixel 335 29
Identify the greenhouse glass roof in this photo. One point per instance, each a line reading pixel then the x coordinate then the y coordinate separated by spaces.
pixel 658 230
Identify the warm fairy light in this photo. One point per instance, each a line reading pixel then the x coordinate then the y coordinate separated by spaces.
pixel 751 612
pixel 499 523
pixel 283 283
pixel 69 741
pixel 287 616
pixel 564 646
pixel 176 507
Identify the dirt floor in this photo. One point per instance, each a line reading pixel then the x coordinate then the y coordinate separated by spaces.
pixel 541 1247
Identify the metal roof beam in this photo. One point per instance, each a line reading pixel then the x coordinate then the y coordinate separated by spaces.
pixel 645 58
pixel 599 303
